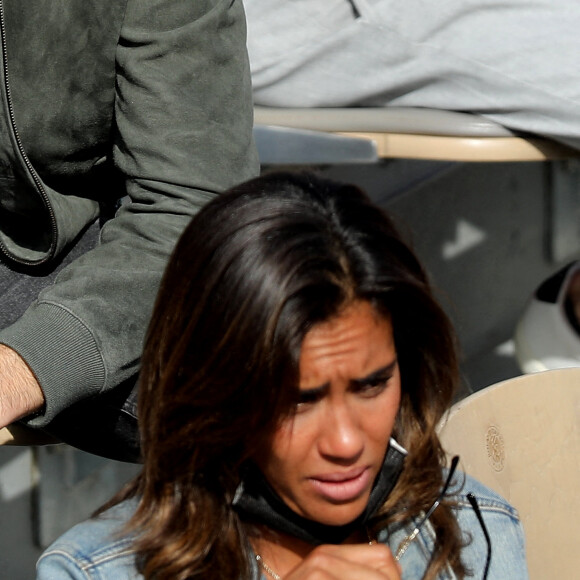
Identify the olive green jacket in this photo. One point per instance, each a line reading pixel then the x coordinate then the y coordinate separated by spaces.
pixel 147 100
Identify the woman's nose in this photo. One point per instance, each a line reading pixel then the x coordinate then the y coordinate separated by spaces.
pixel 341 433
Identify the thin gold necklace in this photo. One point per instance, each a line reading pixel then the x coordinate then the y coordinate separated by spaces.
pixel 267 568
pixel 277 576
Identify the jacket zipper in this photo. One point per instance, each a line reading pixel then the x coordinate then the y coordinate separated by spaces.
pixel 39 186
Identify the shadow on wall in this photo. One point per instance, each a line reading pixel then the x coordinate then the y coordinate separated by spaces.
pixel 488 234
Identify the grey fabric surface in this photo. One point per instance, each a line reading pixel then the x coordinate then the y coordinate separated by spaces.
pixel 514 62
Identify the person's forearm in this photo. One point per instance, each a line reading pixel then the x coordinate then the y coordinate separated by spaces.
pixel 20 393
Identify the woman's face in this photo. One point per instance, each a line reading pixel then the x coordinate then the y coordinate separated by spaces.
pixel 323 460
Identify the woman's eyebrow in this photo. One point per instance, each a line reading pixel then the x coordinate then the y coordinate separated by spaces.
pixel 381 373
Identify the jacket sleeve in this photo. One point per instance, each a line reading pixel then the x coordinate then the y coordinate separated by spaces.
pixel 183 133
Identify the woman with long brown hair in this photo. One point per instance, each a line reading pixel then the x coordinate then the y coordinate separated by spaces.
pixel 294 373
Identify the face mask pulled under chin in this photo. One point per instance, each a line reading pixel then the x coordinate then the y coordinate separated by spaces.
pixel 256 501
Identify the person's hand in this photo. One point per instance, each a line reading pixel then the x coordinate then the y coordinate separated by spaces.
pixel 20 393
pixel 348 562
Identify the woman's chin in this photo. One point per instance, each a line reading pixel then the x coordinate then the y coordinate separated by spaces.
pixel 338 515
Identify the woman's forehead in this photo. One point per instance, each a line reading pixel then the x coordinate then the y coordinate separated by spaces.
pixel 354 343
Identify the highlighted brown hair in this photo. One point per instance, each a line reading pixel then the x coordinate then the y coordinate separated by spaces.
pixel 253 272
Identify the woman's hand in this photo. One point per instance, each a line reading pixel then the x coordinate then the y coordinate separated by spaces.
pixel 348 562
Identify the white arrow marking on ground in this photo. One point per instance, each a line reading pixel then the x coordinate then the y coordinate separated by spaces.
pixel 467 236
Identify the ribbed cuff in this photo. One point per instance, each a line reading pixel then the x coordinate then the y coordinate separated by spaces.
pixel 62 353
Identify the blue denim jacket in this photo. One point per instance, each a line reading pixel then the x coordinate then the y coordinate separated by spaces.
pixel 94 549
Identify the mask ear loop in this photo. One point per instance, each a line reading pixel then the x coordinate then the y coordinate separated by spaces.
pixel 407 541
pixel 475 506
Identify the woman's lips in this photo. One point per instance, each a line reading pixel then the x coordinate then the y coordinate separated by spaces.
pixel 342 487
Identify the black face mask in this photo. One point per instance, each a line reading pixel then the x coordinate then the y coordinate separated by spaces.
pixel 256 501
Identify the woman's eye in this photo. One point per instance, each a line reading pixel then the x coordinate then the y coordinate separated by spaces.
pixel 306 399
pixel 373 387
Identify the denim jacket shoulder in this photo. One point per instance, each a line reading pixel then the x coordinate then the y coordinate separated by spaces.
pixel 508 558
pixel 95 549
